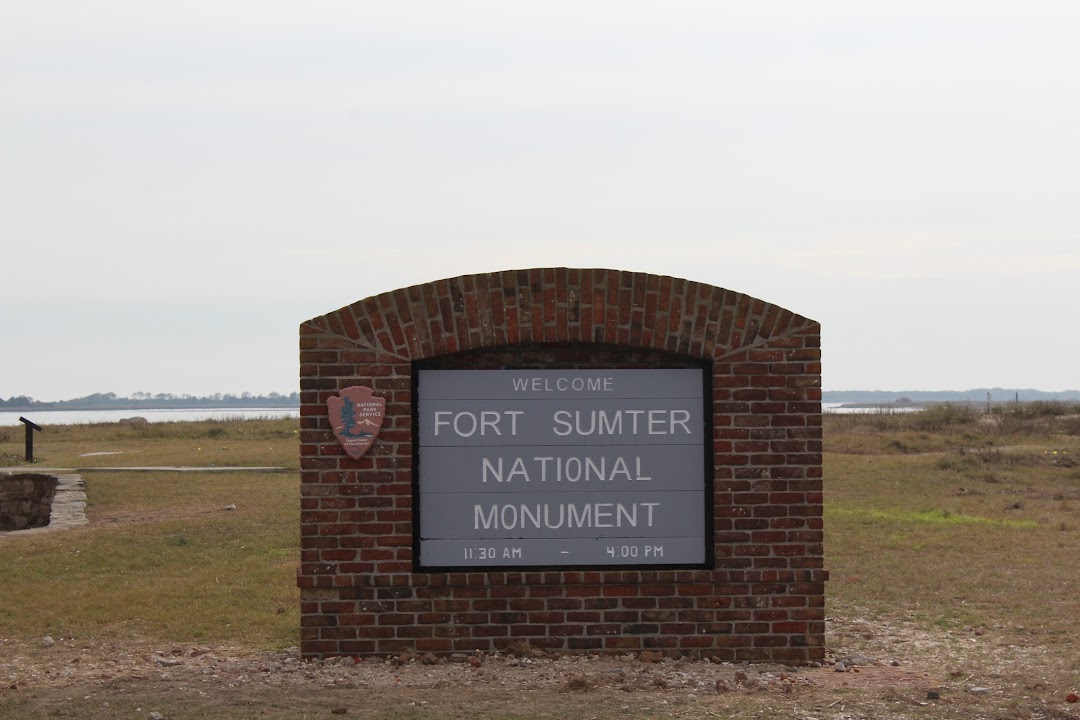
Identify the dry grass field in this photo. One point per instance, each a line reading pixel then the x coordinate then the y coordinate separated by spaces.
pixel 257 442
pixel 952 538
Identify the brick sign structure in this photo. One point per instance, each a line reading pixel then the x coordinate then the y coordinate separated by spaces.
pixel 574 460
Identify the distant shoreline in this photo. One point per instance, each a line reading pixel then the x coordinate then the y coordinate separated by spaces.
pixel 997 395
pixel 100 402
pixel 883 405
pixel 149 415
pixel 852 399
pixel 61 407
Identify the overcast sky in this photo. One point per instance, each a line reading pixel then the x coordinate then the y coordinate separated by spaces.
pixel 183 183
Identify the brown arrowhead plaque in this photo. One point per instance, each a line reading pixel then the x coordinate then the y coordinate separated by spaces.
pixel 356 417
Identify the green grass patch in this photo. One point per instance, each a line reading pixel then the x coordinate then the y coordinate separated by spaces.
pixel 163 558
pixel 943 517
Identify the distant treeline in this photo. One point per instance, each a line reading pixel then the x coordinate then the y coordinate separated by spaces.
pixel 159 401
pixel 168 401
pixel 997 395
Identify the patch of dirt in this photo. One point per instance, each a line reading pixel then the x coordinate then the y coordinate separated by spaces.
pixel 890 670
pixel 870 676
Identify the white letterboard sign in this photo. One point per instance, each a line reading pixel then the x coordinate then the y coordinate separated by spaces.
pixel 561 467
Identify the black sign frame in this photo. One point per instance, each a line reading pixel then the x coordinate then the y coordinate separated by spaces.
pixel 708 538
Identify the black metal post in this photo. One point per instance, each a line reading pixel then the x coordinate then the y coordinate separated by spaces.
pixel 30 428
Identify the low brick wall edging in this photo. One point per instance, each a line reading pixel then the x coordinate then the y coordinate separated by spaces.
pixel 68 506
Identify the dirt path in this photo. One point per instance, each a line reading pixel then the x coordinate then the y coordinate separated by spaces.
pixel 894 671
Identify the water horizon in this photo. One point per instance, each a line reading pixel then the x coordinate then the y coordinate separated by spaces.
pixel 89 417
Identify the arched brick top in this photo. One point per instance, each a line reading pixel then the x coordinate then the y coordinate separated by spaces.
pixel 560 305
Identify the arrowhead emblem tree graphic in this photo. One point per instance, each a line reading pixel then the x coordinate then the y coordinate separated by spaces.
pixel 356 416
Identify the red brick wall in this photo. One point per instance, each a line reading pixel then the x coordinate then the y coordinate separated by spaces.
pixel 763 598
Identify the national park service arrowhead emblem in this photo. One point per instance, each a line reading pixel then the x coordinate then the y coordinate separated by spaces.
pixel 356 417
